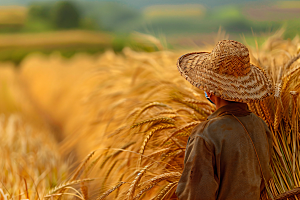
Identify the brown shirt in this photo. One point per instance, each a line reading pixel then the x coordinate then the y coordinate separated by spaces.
pixel 220 161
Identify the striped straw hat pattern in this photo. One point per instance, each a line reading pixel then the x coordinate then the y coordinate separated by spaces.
pixel 226 72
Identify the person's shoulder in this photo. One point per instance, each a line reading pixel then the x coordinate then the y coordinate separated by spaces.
pixel 218 124
pixel 265 125
pixel 212 125
pixel 211 129
pixel 197 131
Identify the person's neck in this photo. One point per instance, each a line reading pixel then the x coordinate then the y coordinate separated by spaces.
pixel 220 102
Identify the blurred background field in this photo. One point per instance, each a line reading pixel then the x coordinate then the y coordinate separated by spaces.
pixel 73 72
pixel 93 26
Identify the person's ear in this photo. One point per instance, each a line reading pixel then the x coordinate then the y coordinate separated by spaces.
pixel 208 94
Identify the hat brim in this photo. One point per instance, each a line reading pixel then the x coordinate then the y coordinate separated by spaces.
pixel 254 86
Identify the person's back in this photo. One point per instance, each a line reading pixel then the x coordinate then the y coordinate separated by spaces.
pixel 228 155
pixel 237 173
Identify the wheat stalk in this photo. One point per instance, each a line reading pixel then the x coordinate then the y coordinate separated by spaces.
pixel 165 191
pixel 151 132
pixel 154 121
pixel 195 101
pixel 82 165
pixel 105 194
pixel 67 184
pixel 181 129
pixel 200 110
pixel 148 106
pixel 260 111
pixel 116 153
pixel 174 153
pixel 188 110
pixel 78 171
pixel 266 111
pixel 84 191
pixel 160 151
pixel 291 61
pixel 144 190
pixel 135 182
pixel 92 164
pixel 160 178
pixel 109 171
pixel 166 112
pixel 278 118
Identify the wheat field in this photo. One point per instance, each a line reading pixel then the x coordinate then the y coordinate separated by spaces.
pixel 115 126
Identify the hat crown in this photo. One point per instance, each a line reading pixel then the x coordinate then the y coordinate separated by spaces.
pixel 230 58
pixel 226 72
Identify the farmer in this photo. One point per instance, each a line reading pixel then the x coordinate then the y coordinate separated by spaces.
pixel 227 156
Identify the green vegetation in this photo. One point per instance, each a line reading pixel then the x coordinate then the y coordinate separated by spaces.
pixel 187 19
pixel 65 15
pixel 17 55
pixel 61 15
pixel 119 20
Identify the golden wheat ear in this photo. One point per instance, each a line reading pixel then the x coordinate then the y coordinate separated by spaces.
pixel 65 185
pixel 182 129
pixel 88 157
pixel 148 106
pixel 108 192
pixel 154 181
pixel 135 182
pixel 154 121
pixel 166 191
pixel 149 135
pixel 116 153
pixel 84 191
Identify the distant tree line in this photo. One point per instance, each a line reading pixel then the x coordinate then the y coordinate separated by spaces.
pixel 67 14
pixel 60 15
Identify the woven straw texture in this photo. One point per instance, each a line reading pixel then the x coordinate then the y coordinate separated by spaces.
pixel 293 194
pixel 226 72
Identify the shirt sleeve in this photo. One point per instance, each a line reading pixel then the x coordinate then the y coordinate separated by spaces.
pixel 198 180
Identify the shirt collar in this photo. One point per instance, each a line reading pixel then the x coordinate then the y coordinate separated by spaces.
pixel 235 108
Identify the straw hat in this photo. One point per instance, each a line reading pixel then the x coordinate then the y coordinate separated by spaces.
pixel 226 72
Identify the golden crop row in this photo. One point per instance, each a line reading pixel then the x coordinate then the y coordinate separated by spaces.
pixel 134 112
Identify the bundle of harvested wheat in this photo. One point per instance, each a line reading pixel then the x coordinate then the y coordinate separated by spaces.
pixel 280 60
